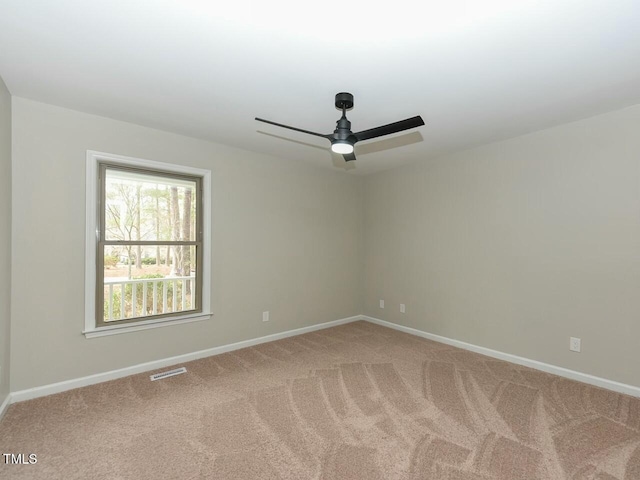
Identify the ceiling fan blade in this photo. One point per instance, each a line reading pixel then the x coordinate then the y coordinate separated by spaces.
pixel 349 156
pixel 395 127
pixel 292 128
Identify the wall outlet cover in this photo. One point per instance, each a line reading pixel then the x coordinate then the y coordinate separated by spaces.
pixel 574 344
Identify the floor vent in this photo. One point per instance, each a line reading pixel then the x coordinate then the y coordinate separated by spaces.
pixel 168 373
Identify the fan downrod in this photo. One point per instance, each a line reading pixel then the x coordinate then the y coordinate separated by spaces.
pixel 344 101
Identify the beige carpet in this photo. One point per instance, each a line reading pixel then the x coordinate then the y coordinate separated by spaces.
pixel 357 401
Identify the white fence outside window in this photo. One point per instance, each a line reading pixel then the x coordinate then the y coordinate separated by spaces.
pixel 147 296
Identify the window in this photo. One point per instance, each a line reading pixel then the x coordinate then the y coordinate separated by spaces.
pixel 147 244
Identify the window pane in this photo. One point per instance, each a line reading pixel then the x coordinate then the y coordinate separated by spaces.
pixel 149 207
pixel 164 282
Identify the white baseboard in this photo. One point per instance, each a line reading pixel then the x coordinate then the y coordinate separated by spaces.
pixel 36 392
pixel 5 405
pixel 545 367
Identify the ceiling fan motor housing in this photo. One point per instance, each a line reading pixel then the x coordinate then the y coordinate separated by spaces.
pixel 343 130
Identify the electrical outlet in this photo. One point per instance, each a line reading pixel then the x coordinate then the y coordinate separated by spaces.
pixel 265 316
pixel 402 308
pixel 381 303
pixel 574 344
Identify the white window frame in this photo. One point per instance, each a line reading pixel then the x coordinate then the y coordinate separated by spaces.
pixel 91 241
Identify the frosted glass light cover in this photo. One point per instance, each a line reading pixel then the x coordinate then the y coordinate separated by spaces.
pixel 342 148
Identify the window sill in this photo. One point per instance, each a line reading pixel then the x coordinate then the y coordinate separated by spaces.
pixel 135 327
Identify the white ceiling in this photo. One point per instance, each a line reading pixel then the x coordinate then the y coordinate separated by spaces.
pixel 476 71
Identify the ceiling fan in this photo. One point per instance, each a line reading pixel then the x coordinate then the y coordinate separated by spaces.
pixel 343 139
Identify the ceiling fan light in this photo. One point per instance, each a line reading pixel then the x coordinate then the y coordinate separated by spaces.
pixel 342 147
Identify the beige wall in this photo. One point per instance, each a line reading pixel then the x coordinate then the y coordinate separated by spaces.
pixel 514 246
pixel 286 238
pixel 5 238
pixel 518 245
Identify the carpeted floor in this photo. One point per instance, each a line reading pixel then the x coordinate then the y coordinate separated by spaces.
pixel 358 401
